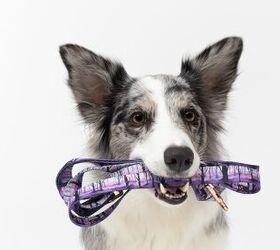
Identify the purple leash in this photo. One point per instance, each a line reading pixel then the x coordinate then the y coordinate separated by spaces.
pixel 122 176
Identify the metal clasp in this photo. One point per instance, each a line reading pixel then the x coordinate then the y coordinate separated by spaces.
pixel 216 195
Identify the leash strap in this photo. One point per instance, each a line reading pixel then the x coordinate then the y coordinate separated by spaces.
pixel 105 194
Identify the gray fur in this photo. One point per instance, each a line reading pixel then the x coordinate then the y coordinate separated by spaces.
pixel 107 96
pixel 220 222
pixel 94 238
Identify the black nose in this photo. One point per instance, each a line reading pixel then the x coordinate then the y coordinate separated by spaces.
pixel 178 159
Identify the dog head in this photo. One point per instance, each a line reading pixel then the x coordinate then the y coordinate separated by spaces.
pixel 170 122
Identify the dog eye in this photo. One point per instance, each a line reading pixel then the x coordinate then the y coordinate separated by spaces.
pixel 189 115
pixel 138 119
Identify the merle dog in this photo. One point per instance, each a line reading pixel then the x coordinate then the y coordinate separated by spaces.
pixel 171 123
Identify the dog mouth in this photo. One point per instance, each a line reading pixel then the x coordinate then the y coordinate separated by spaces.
pixel 172 195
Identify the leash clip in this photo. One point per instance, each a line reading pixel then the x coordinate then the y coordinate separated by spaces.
pixel 217 196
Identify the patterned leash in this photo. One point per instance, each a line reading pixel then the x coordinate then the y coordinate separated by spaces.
pixel 122 176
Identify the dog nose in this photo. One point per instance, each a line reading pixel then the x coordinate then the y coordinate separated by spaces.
pixel 178 159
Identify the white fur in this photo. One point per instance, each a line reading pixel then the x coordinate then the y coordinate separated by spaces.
pixel 144 222
pixel 165 133
pixel 140 222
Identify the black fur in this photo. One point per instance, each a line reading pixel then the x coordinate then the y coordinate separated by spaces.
pixel 101 88
pixel 178 88
pixel 118 90
pixel 106 95
pixel 211 74
pixel 97 84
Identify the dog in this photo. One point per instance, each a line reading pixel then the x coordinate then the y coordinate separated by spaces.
pixel 170 122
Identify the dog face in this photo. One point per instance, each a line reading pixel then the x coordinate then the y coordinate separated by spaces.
pixel 162 124
pixel 170 122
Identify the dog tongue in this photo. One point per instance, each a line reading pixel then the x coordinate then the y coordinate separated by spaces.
pixel 171 189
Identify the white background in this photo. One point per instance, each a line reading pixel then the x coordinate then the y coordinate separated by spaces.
pixel 40 128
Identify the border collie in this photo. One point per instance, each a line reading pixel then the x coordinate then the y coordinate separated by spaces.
pixel 171 123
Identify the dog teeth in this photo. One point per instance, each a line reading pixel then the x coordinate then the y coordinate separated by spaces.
pixel 175 196
pixel 185 188
pixel 171 194
pixel 162 188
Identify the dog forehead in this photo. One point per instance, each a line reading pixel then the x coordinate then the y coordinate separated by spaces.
pixel 153 86
pixel 161 89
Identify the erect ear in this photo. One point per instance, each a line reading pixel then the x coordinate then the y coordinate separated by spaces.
pixel 214 71
pixel 91 78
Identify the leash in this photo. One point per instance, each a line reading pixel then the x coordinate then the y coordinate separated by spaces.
pixel 105 194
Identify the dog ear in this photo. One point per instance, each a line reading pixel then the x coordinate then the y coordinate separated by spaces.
pixel 216 66
pixel 213 71
pixel 91 78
